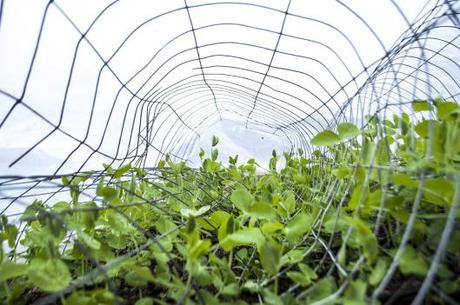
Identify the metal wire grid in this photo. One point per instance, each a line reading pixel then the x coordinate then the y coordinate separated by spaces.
pixel 192 87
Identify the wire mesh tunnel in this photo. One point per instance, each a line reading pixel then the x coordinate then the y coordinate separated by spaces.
pixel 134 82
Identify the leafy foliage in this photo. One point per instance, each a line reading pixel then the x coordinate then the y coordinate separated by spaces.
pixel 230 235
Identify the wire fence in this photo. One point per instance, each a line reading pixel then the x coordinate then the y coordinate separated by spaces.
pixel 134 82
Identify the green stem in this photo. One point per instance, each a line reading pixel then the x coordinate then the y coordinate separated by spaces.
pixel 160 301
pixel 230 259
pixel 188 287
pixel 7 289
pixel 275 287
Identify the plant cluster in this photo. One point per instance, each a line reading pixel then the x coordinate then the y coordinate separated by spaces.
pixel 371 216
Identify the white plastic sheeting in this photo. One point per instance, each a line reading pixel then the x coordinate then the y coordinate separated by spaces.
pixel 87 82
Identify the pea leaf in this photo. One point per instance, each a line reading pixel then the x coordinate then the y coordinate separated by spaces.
pixel 9 270
pixel 412 262
pixel 121 171
pixel 107 192
pixel 355 293
pixel 262 210
pixel 49 274
pixel 364 237
pixel 299 278
pixel 137 275
pixel 323 288
pixel 186 212
pixel 199 248
pixel 379 271
pixel 289 203
pixel 88 240
pixel 225 228
pixel 298 226
pixel 91 297
pixel 419 106
pixel 144 301
pixel 404 180
pixel 271 227
pixel 325 138
pixel 308 272
pixel 347 130
pixel 164 225
pixel 444 108
pixel 208 298
pixel 10 233
pixel 214 154
pixel 303 278
pixel 360 193
pixel 231 290
pixel 271 298
pixel 215 141
pixel 292 257
pixel 423 128
pixel 270 256
pixel 242 199
pixel 251 286
pixel 219 217
pixel 341 172
pixel 439 191
pixel 143 272
pixel 243 237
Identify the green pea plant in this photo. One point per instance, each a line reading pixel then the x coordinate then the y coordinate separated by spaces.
pixel 369 217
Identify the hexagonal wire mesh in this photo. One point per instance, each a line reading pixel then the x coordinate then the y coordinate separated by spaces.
pixel 131 81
